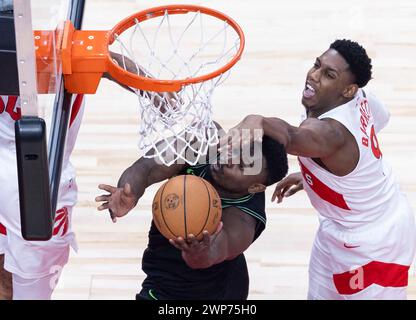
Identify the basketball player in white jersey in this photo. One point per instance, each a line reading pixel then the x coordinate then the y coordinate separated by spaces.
pixel 31 269
pixel 35 265
pixel 366 239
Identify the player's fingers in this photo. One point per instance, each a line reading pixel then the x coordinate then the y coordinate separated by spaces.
pixel 283 185
pixel 107 187
pixel 251 137
pixel 280 198
pixel 206 238
pixel 224 142
pixel 281 194
pixel 279 186
pixel 182 243
pixel 103 197
pixel 191 240
pixel 102 207
pixel 293 190
pixel 173 243
pixel 219 228
pixel 246 144
pixel 278 192
pixel 236 139
pixel 112 216
pixel 275 194
pixel 258 139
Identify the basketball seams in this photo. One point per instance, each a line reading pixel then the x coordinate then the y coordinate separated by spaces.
pixel 173 198
pixel 161 210
pixel 209 208
pixel 184 207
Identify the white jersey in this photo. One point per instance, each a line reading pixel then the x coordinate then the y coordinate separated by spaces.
pixel 10 112
pixel 34 259
pixel 366 239
pixel 369 191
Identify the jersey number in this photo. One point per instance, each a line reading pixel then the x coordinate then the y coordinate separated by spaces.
pixel 374 144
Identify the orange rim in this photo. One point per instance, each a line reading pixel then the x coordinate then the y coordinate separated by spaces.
pixel 149 84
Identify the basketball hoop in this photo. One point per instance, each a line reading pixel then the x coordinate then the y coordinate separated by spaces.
pixel 172 57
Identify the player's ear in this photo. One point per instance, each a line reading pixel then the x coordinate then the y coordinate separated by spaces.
pixel 350 91
pixel 256 187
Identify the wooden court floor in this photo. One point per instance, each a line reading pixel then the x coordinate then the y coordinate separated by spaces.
pixel 283 39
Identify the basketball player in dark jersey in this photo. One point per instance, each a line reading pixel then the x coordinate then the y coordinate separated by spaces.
pixel 215 267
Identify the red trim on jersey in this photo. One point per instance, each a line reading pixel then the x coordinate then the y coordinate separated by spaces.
pixel 61 220
pixel 322 190
pixel 2 105
pixel 3 229
pixel 76 106
pixel 375 272
pixel 59 214
pixel 65 227
pixel 11 108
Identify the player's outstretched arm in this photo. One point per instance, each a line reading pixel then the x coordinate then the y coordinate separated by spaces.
pixel 231 239
pixel 163 100
pixel 313 138
pixel 132 184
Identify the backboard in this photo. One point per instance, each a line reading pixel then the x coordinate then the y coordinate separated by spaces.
pixel 48 16
pixel 47 19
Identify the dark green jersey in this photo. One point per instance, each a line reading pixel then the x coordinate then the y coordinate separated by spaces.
pixel 169 277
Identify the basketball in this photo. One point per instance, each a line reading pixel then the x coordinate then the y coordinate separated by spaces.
pixel 186 205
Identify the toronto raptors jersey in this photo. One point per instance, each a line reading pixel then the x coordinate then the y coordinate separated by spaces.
pixel 10 112
pixel 369 191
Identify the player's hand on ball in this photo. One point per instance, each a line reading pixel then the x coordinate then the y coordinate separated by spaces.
pixel 197 254
pixel 118 202
pixel 288 186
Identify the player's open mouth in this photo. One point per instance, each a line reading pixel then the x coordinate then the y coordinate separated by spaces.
pixel 308 92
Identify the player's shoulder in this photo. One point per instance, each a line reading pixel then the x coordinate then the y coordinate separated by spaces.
pixel 373 99
pixel 250 211
pixel 253 204
pixel 327 126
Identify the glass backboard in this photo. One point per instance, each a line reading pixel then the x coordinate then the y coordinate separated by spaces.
pixel 44 24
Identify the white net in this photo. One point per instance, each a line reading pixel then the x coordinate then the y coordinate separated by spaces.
pixel 177 126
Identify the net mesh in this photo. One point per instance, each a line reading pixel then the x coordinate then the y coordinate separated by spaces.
pixel 178 126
